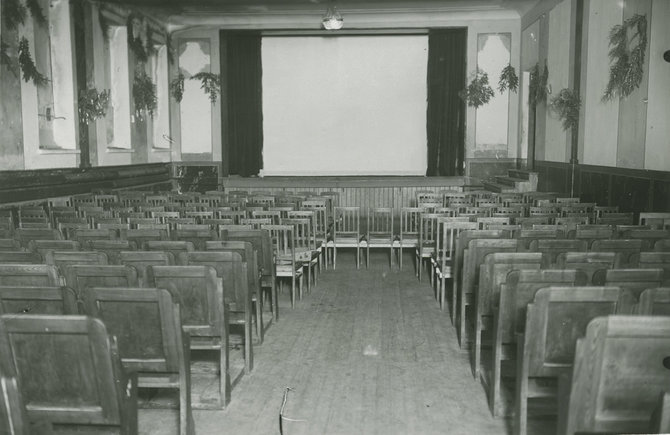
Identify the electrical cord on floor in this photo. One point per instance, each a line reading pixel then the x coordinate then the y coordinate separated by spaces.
pixel 281 412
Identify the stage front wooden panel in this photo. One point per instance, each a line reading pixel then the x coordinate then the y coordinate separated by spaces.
pixel 394 192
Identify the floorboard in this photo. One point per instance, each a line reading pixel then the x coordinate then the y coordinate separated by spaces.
pixel 366 352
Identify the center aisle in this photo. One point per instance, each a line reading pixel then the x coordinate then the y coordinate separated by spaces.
pixel 368 351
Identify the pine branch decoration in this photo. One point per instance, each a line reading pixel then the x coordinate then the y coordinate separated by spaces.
pixel 567 104
pixel 626 63
pixel 149 48
pixel 144 94
pixel 177 88
pixel 93 105
pixel 135 43
pixel 27 65
pixel 36 12
pixel 538 85
pixel 210 83
pixel 508 79
pixel 14 12
pixel 478 92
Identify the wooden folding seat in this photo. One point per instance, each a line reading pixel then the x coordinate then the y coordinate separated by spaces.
pixel 83 236
pixel 317 241
pixel 555 320
pixel 199 215
pixel 305 247
pixel 516 293
pixel 20 257
pixel 655 220
pixel 173 246
pixel 550 249
pixel 427 245
pixel 427 196
pixel 346 231
pixel 408 236
pixel 25 235
pixel 567 200
pixel 627 250
pixel 525 236
pixel 70 228
pixel 593 264
pixel 551 210
pixel 462 241
pixel 648 236
pixel 150 210
pixel 656 260
pixel 10 245
pixel 139 236
pixel 662 245
pixel 45 275
pixel 141 260
pixel 112 248
pixel 37 300
pixel 69 373
pixel 215 222
pixel 198 236
pixel 62 259
pixel 379 232
pixel 262 245
pixel 287 264
pixel 274 217
pixel 571 222
pixel 473 257
pixel 616 219
pixel 492 274
pixel 237 292
pixel 148 329
pixel 448 229
pixel 199 291
pixel 620 369
pixel 654 302
pixel 116 227
pixel 235 215
pixel 635 280
pixel 6 227
pixel 485 222
pixel 80 277
pixel 256 223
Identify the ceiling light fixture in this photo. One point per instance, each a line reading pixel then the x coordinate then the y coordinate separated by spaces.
pixel 332 20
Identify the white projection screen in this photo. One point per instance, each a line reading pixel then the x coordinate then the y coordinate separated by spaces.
pixel 346 105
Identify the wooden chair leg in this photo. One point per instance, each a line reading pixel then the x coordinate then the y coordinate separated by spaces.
pixel 275 300
pixel 224 378
pixel 521 402
pixel 186 423
pixel 334 256
pixel 400 257
pixel 248 352
pixel 260 330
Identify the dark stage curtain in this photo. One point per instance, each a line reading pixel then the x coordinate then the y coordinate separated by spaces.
pixel 243 83
pixel 446 110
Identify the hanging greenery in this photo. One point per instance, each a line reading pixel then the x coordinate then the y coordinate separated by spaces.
pixel 537 85
pixel 626 62
pixel 27 65
pixel 210 83
pixel 36 12
pixel 149 47
pixel 14 12
pixel 566 104
pixel 144 94
pixel 135 42
pixel 93 105
pixel 478 92
pixel 177 88
pixel 508 79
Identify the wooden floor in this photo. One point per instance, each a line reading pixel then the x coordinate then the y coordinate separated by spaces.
pixel 366 352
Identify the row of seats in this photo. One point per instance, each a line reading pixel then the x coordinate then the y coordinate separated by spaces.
pixel 580 322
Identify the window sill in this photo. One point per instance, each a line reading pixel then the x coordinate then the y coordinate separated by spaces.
pixel 160 150
pixel 58 151
pixel 120 150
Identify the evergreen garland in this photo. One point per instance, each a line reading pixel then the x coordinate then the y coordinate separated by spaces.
pixel 27 65
pixel 567 104
pixel 36 12
pixel 144 94
pixel 149 48
pixel 626 62
pixel 210 83
pixel 508 79
pixel 478 92
pixel 135 43
pixel 14 12
pixel 93 105
pixel 177 88
pixel 538 85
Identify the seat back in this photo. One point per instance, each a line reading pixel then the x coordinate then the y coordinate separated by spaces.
pixel 635 280
pixel 627 250
pixel 141 260
pixel 302 230
pixel 473 258
pixel 380 223
pixel 25 235
pixel 247 254
pixel 139 236
pixel 43 246
pixel 112 248
pixel 558 316
pixel 10 245
pixel 593 264
pixel 261 242
pixel 199 292
pixel 29 275
pixel 528 235
pixel 519 290
pixel 448 229
pixel 68 371
pixel 62 259
pixel 462 242
pixel 145 322
pixel 283 242
pixel 20 257
pixel 654 302
pixel 655 220
pixel 347 222
pixel 656 260
pixel 173 246
pixel 81 277
pixel 37 300
pixel 197 237
pixel 620 369
pixel 550 249
pixel 83 235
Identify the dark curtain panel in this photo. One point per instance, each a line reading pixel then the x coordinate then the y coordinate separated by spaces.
pixel 446 110
pixel 244 102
